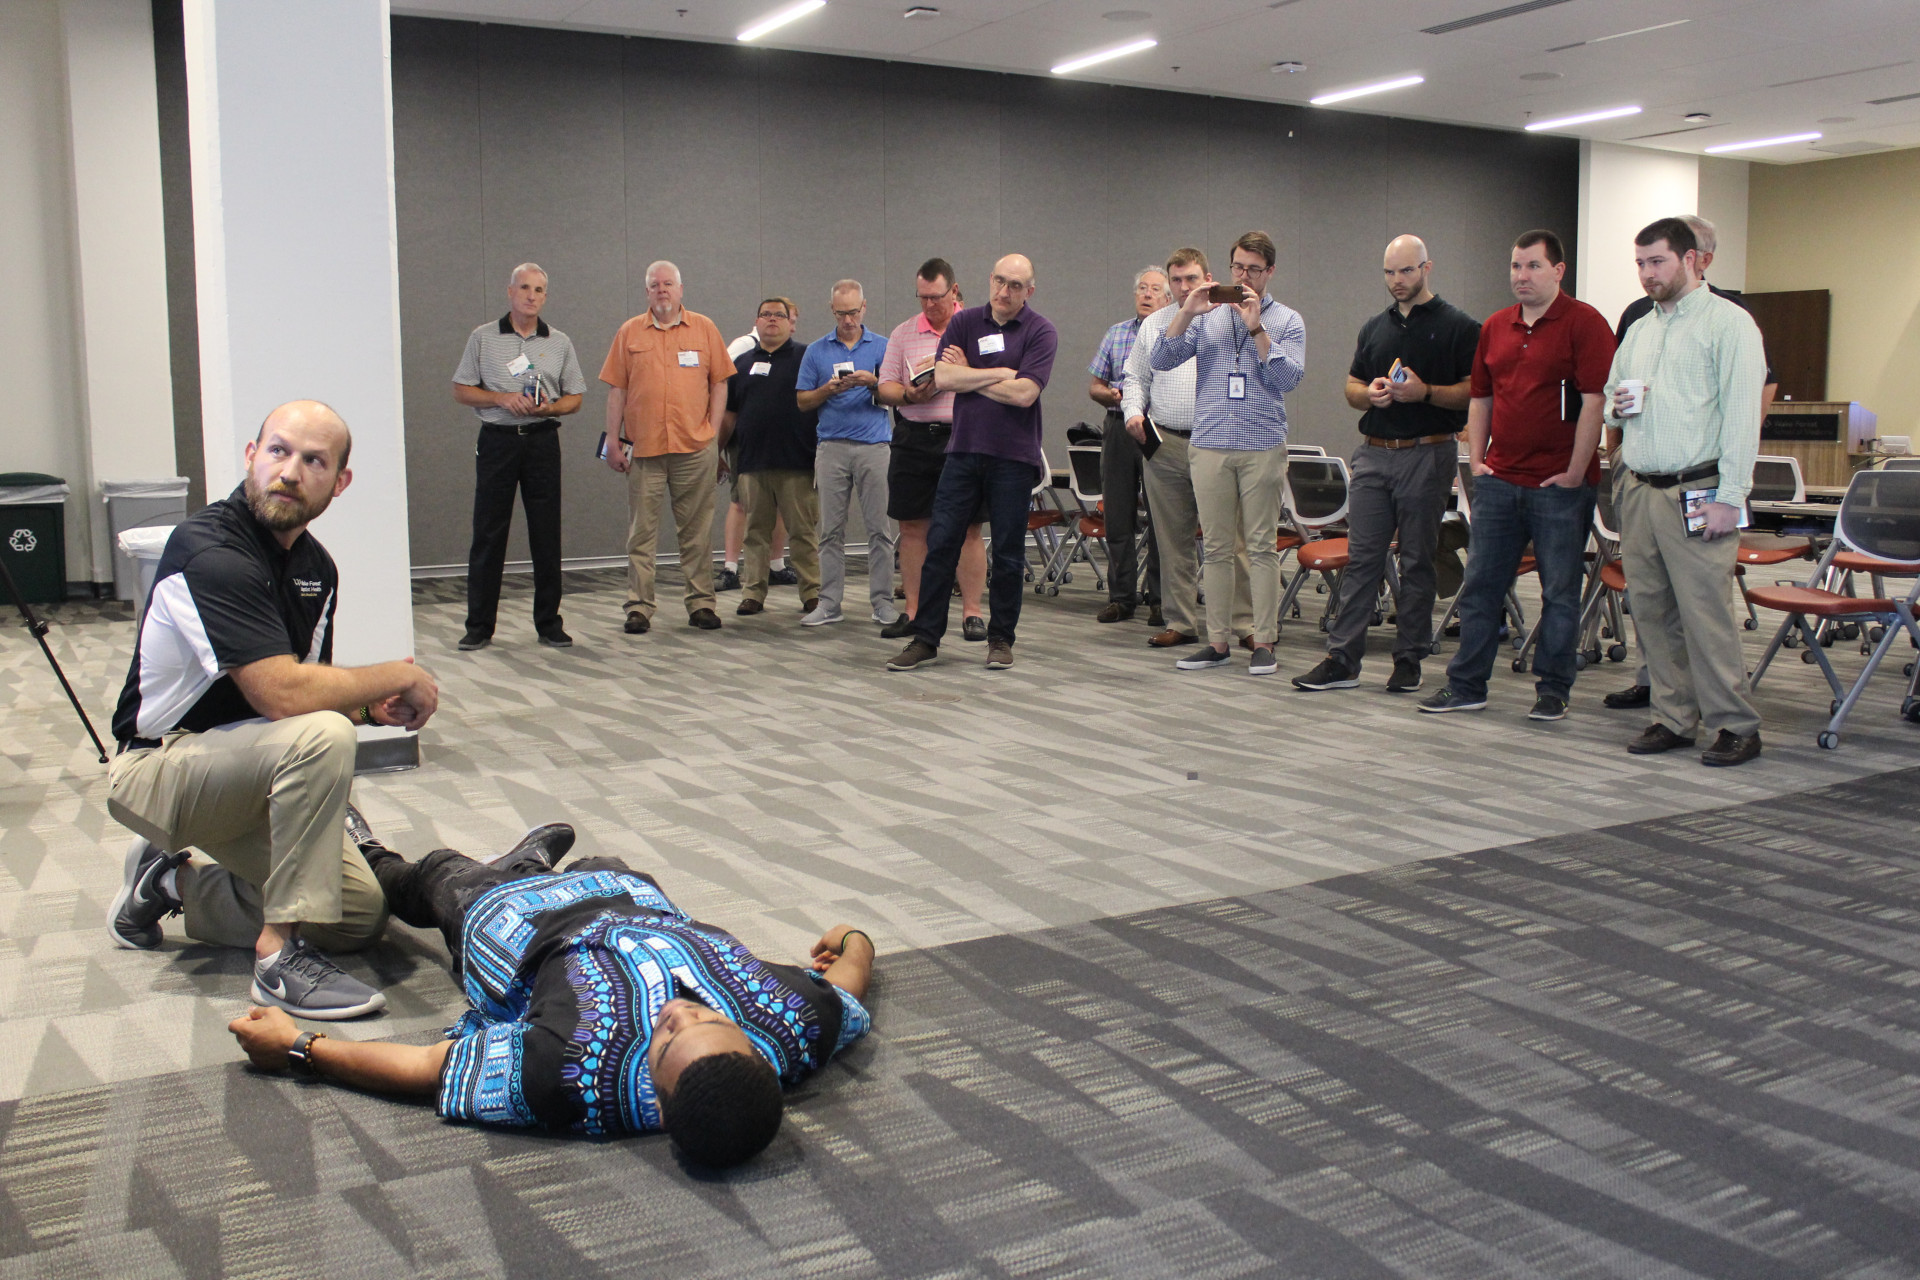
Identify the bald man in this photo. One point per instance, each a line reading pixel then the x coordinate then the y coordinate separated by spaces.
pixel 1410 379
pixel 996 360
pixel 237 735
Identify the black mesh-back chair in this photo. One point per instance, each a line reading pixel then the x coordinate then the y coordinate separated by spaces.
pixel 1315 498
pixel 1517 628
pixel 1879 518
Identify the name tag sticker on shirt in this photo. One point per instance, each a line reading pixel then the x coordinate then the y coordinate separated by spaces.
pixel 992 344
pixel 689 359
pixel 760 369
pixel 518 365
pixel 1236 386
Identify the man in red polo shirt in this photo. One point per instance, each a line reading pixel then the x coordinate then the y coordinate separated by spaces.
pixel 1532 426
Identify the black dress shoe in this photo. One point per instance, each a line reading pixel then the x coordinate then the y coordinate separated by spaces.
pixel 974 629
pixel 1657 738
pixel 359 831
pixel 705 619
pixel 1638 695
pixel 1731 748
pixel 637 624
pixel 537 850
pixel 899 628
pixel 556 639
pixel 474 640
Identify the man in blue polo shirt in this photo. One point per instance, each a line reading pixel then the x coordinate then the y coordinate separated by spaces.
pixel 838 376
pixel 996 359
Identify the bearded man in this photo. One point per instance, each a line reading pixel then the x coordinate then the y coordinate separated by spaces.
pixel 237 733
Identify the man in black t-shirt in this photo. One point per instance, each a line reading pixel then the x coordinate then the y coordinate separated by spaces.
pixel 773 470
pixel 1640 693
pixel 235 737
pixel 1410 380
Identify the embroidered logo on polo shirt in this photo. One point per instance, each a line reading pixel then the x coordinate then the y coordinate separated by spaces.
pixel 309 587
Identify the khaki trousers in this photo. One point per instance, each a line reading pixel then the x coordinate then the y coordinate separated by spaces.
pixel 1682 593
pixel 1238 493
pixel 267 803
pixel 687 480
pixel 787 495
pixel 1176 517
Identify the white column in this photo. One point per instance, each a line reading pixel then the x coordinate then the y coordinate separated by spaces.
pixel 1622 189
pixel 126 383
pixel 291 126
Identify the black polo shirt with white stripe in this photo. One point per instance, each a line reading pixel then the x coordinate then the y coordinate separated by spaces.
pixel 226 594
pixel 492 347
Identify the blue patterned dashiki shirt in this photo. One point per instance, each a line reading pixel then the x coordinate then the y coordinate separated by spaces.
pixel 566 975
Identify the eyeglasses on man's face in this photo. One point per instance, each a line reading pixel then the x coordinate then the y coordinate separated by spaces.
pixel 933 297
pixel 1251 269
pixel 772 315
pixel 850 315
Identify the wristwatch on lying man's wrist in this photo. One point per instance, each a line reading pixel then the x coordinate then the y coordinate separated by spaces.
pixel 300 1055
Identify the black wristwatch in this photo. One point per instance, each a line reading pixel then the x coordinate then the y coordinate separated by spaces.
pixel 300 1055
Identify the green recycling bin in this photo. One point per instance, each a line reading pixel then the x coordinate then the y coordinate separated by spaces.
pixel 33 534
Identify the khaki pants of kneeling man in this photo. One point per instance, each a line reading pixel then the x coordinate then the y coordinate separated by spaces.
pixel 264 803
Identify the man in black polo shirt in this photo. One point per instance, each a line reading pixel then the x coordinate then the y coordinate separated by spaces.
pixel 235 737
pixel 1410 379
pixel 520 377
pixel 773 472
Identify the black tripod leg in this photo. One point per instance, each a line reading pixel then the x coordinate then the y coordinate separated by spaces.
pixel 39 630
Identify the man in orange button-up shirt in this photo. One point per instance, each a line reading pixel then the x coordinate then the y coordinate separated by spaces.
pixel 668 371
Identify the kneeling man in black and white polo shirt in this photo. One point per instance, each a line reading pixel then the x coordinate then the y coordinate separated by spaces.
pixel 236 733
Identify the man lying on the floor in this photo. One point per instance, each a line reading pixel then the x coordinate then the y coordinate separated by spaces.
pixel 597 1005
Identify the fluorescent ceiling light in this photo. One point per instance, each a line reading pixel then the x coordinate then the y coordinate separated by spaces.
pixel 1328 99
pixel 1763 142
pixel 1564 122
pixel 781 19
pixel 1077 64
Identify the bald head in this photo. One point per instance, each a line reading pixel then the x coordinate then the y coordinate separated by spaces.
pixel 296 466
pixel 1010 286
pixel 1407 270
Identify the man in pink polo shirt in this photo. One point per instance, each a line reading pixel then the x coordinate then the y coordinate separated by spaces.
pixel 922 422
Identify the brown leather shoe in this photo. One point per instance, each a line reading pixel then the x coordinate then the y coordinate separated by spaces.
pixel 1169 638
pixel 999 655
pixel 750 607
pixel 1731 748
pixel 1655 739
pixel 1115 612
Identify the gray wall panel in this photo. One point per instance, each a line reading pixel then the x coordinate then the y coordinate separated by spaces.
pixel 760 171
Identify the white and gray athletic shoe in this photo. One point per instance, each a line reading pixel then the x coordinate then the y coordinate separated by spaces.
pixel 134 918
pixel 308 985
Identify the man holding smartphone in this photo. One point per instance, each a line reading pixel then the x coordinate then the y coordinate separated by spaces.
pixel 1248 353
pixel 838 377
pixel 520 377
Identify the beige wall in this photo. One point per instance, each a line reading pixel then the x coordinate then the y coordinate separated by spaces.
pixel 1850 226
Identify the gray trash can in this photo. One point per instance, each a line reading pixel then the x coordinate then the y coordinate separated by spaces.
pixel 33 534
pixel 142 548
pixel 140 504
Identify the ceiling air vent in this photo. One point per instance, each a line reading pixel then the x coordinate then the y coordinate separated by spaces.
pixel 1881 102
pixel 1491 15
pixel 1853 148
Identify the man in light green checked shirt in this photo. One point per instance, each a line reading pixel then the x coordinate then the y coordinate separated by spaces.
pixel 1685 393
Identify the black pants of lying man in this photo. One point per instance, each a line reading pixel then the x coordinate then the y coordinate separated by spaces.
pixel 597 1005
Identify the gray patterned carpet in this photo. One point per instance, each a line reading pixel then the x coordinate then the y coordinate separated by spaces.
pixel 1684 1047
pixel 1181 975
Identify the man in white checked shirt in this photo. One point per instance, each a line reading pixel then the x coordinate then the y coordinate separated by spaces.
pixel 1694 430
pixel 1247 355
pixel 1167 398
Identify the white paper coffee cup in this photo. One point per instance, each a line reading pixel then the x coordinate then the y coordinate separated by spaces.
pixel 1636 395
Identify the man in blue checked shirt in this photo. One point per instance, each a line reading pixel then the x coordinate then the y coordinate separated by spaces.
pixel 1247 355
pixel 1122 463
pixel 597 1006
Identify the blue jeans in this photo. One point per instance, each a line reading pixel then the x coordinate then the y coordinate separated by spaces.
pixel 969 481
pixel 1505 518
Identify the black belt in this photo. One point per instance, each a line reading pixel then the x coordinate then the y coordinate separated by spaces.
pixel 1174 431
pixel 137 744
pixel 902 420
pixel 1667 481
pixel 524 428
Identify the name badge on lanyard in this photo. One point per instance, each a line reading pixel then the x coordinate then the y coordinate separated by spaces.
pixel 1236 386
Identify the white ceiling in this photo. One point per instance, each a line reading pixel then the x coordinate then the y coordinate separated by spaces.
pixel 1761 68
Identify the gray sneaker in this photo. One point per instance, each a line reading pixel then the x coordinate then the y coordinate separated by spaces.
pixel 887 616
pixel 308 985
pixel 134 918
pixel 1447 700
pixel 822 615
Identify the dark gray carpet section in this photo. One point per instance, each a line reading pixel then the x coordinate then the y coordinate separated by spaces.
pixel 1685 1047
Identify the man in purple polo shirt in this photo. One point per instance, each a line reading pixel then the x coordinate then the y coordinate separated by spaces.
pixel 996 360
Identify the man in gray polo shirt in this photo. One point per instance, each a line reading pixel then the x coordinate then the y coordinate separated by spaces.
pixel 520 377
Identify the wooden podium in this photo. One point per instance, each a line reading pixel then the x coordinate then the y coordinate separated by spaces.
pixel 1826 436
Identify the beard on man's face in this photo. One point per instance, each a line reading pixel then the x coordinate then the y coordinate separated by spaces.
pixel 277 515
